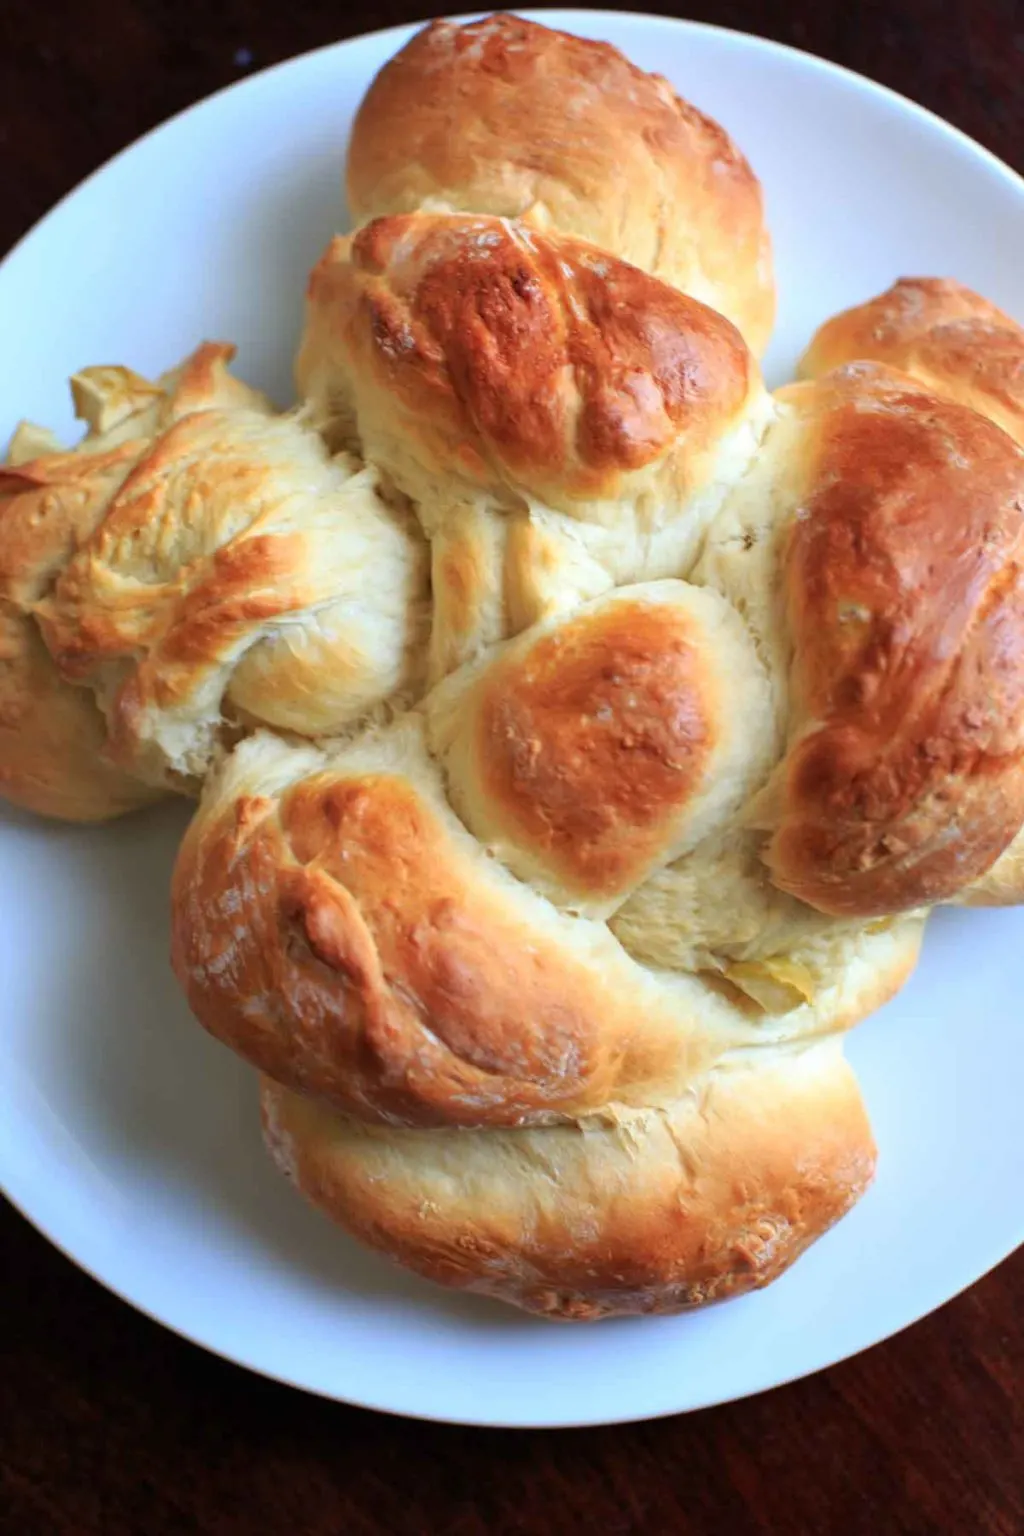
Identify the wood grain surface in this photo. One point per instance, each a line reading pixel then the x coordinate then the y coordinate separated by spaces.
pixel 110 1426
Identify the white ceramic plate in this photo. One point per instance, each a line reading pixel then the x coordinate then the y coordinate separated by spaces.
pixel 128 1136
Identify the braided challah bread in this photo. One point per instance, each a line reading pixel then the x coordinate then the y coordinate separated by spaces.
pixel 584 733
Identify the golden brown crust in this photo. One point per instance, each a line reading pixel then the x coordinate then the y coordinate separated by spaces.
pixel 944 335
pixel 344 941
pixel 197 564
pixel 231 527
pixel 906 605
pixel 336 925
pixel 598 747
pixel 657 1212
pixel 504 116
pixel 48 508
pixel 53 737
pixel 510 357
pixel 602 737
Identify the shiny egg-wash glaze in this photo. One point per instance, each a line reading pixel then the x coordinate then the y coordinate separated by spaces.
pixel 545 939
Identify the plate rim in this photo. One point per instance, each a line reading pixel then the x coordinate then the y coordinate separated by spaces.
pixel 419 1415
pixel 557 17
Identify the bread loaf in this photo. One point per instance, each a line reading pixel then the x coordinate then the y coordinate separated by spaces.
pixel 583 733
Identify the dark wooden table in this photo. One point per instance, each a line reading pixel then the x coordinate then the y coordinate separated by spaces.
pixel 110 1425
